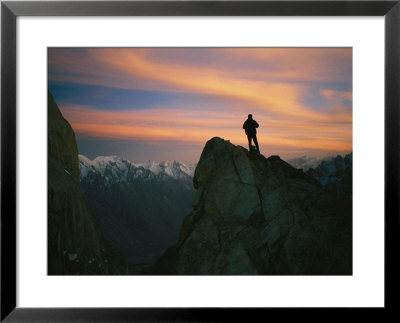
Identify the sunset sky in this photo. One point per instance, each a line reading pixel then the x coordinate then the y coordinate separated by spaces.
pixel 165 103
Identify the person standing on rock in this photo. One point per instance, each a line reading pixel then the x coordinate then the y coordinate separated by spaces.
pixel 250 126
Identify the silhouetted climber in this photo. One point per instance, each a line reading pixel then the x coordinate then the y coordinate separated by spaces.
pixel 250 126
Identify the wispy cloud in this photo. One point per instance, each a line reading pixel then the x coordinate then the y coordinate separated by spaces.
pixel 270 83
pixel 162 125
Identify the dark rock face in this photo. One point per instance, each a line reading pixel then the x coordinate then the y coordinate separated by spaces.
pixel 73 243
pixel 259 216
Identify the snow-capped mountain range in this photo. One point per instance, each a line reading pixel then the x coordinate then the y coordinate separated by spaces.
pixel 118 169
pixel 326 170
pixel 305 162
pixel 138 208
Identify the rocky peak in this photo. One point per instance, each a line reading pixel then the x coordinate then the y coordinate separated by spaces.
pixel 234 184
pixel 257 215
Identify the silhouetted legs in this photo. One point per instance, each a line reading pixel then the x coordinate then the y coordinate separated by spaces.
pixel 254 137
pixel 256 143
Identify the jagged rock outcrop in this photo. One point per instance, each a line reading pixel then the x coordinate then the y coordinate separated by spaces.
pixel 256 215
pixel 73 243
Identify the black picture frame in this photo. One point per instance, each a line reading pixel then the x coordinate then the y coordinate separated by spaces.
pixel 10 10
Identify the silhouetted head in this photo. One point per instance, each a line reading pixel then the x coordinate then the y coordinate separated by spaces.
pixel 250 116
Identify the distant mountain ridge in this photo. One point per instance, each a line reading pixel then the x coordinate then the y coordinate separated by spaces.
pixel 326 170
pixel 117 169
pixel 139 208
pixel 332 170
pixel 305 162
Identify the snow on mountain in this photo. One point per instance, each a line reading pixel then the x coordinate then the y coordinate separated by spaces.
pixel 119 169
pixel 304 162
pixel 107 166
pixel 174 169
pixel 325 170
pixel 332 170
pixel 151 166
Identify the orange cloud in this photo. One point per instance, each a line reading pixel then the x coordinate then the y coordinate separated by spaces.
pixel 271 83
pixel 272 93
pixel 197 127
pixel 299 64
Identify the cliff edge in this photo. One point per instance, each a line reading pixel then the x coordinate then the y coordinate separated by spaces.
pixel 73 244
